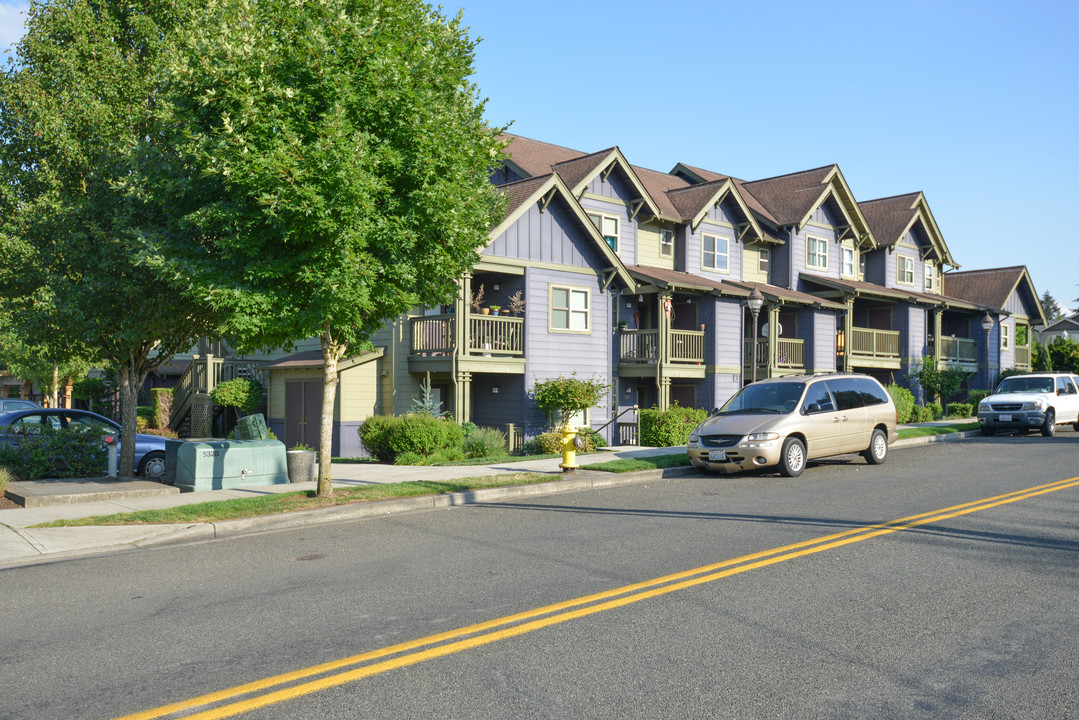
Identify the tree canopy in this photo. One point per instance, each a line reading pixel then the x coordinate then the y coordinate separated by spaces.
pixel 75 102
pixel 332 160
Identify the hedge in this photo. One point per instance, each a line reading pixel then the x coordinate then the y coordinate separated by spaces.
pixel 669 428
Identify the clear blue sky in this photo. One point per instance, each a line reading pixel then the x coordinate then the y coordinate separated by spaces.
pixel 973 103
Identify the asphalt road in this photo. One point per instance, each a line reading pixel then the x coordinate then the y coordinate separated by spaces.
pixel 828 610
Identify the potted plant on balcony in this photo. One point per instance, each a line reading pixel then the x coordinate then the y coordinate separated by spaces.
pixel 495 309
pixel 517 305
pixel 475 299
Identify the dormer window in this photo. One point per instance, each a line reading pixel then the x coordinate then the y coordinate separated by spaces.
pixel 928 275
pixel 904 269
pixel 608 228
pixel 666 243
pixel 764 260
pixel 715 252
pixel 848 262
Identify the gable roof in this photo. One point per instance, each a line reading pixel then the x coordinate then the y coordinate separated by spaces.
pixel 791 199
pixel 892 217
pixel 992 287
pixel 579 172
pixel 523 194
pixel 532 158
pixel 694 201
pixel 310 359
pixel 700 175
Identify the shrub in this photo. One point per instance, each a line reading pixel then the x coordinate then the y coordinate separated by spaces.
pixel 920 414
pixel 935 410
pixel 593 440
pixel 161 404
pixel 165 432
pixel 375 434
pixel 484 442
pixel 241 393
pixel 936 383
pixel 959 410
pixel 566 397
pixel 5 478
pixel 144 418
pixel 669 428
pixel 445 456
pixel 976 396
pixel 71 452
pixel 546 444
pixel 409 458
pixel 904 402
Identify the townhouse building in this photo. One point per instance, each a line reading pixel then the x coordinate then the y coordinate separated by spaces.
pixel 643 280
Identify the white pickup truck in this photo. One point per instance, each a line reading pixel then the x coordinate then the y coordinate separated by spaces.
pixel 1026 402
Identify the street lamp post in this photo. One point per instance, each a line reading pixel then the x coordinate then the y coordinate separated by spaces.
pixel 987 325
pixel 756 300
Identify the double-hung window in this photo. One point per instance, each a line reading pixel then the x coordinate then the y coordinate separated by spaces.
pixel 608 228
pixel 764 260
pixel 848 262
pixel 904 270
pixel 666 243
pixel 928 275
pixel 816 253
pixel 1004 339
pixel 570 308
pixel 715 252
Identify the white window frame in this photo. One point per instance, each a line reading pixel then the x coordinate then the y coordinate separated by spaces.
pixel 598 220
pixel 822 252
pixel 900 262
pixel 764 260
pixel 666 243
pixel 929 276
pixel 569 309
pixel 715 253
pixel 861 265
pixel 848 262
pixel 1004 339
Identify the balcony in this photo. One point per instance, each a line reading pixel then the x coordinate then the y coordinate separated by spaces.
pixel 874 348
pixel 959 351
pixel 790 355
pixel 492 344
pixel 639 349
pixel 1022 357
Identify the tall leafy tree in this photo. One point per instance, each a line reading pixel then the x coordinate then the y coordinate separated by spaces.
pixel 75 102
pixel 334 157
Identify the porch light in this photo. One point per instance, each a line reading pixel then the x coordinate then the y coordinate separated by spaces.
pixel 987 325
pixel 494 390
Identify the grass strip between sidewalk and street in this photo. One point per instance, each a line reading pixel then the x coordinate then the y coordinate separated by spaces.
pixel 914 432
pixel 218 510
pixel 649 462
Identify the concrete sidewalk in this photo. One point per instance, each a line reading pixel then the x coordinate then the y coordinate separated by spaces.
pixel 22 544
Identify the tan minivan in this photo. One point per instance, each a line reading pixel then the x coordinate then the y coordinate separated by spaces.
pixel 786 421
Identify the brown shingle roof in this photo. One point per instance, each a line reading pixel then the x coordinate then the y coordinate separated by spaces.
pixel 781 293
pixel 575 170
pixel 990 287
pixel 747 195
pixel 520 191
pixel 889 217
pixel 685 280
pixel 658 184
pixel 789 198
pixel 535 157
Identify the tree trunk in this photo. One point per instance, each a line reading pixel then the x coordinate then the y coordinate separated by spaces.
pixel 54 388
pixel 129 393
pixel 331 355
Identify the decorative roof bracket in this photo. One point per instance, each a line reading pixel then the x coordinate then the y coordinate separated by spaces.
pixel 607 171
pixel 742 228
pixel 635 208
pixel 547 199
pixel 608 276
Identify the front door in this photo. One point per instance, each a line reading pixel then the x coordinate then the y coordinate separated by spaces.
pixel 303 412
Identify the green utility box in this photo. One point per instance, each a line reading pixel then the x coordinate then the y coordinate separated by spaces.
pixel 222 464
pixel 252 427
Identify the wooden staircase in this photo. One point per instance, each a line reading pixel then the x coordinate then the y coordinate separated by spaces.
pixel 192 409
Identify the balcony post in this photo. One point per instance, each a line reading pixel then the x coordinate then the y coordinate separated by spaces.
pixel 666 303
pixel 848 333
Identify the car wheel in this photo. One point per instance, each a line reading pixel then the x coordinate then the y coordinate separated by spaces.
pixel 988 432
pixel 152 466
pixel 877 452
pixel 793 460
pixel 1049 427
pixel 1075 427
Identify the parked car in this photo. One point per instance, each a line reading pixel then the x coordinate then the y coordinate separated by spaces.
pixel 1026 402
pixel 11 404
pixel 149 449
pixel 789 420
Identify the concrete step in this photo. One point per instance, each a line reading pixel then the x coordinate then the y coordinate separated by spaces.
pixel 41 493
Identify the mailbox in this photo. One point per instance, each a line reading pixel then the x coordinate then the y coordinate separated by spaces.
pixel 222 464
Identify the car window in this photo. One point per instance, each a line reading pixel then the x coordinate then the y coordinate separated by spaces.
pixel 846 393
pixel 38 420
pixel 1021 384
pixel 818 400
pixel 11 405
pixel 774 397
pixel 872 393
pixel 89 420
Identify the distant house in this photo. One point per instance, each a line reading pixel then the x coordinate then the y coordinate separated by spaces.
pixel 1063 327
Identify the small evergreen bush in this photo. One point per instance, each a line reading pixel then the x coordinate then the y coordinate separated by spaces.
pixel 386 437
pixel 144 418
pixel 71 452
pixel 920 414
pixel 959 410
pixel 375 434
pixel 936 410
pixel 904 402
pixel 669 428
pixel 976 396
pixel 241 393
pixel 161 404
pixel 549 443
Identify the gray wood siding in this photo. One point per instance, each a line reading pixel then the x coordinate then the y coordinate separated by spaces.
pixel 558 354
pixel 818 329
pixel 621 194
pixel 725 214
pixel 726 346
pixel 496 409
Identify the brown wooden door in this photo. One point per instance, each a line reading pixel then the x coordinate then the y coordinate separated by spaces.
pixel 303 409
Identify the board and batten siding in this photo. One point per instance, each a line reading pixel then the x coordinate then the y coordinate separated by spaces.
pixel 553 236
pixel 818 330
pixel 627 229
pixel 719 222
pixel 648 248
pixel 726 348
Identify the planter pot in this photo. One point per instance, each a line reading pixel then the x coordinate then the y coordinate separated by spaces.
pixel 485 311
pixel 301 465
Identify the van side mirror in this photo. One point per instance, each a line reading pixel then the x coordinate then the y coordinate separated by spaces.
pixel 812 408
pixel 715 411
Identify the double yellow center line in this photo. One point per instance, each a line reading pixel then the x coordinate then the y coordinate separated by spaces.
pixel 243 698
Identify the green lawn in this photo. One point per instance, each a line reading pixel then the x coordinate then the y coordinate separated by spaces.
pixel 936 430
pixel 649 462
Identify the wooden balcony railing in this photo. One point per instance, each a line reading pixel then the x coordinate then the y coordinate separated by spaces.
pixel 638 346
pixel 432 335
pixel 687 346
pixel 865 342
pixel 790 353
pixel 962 350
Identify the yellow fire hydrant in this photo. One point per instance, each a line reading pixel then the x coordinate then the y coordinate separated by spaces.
pixel 569 450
